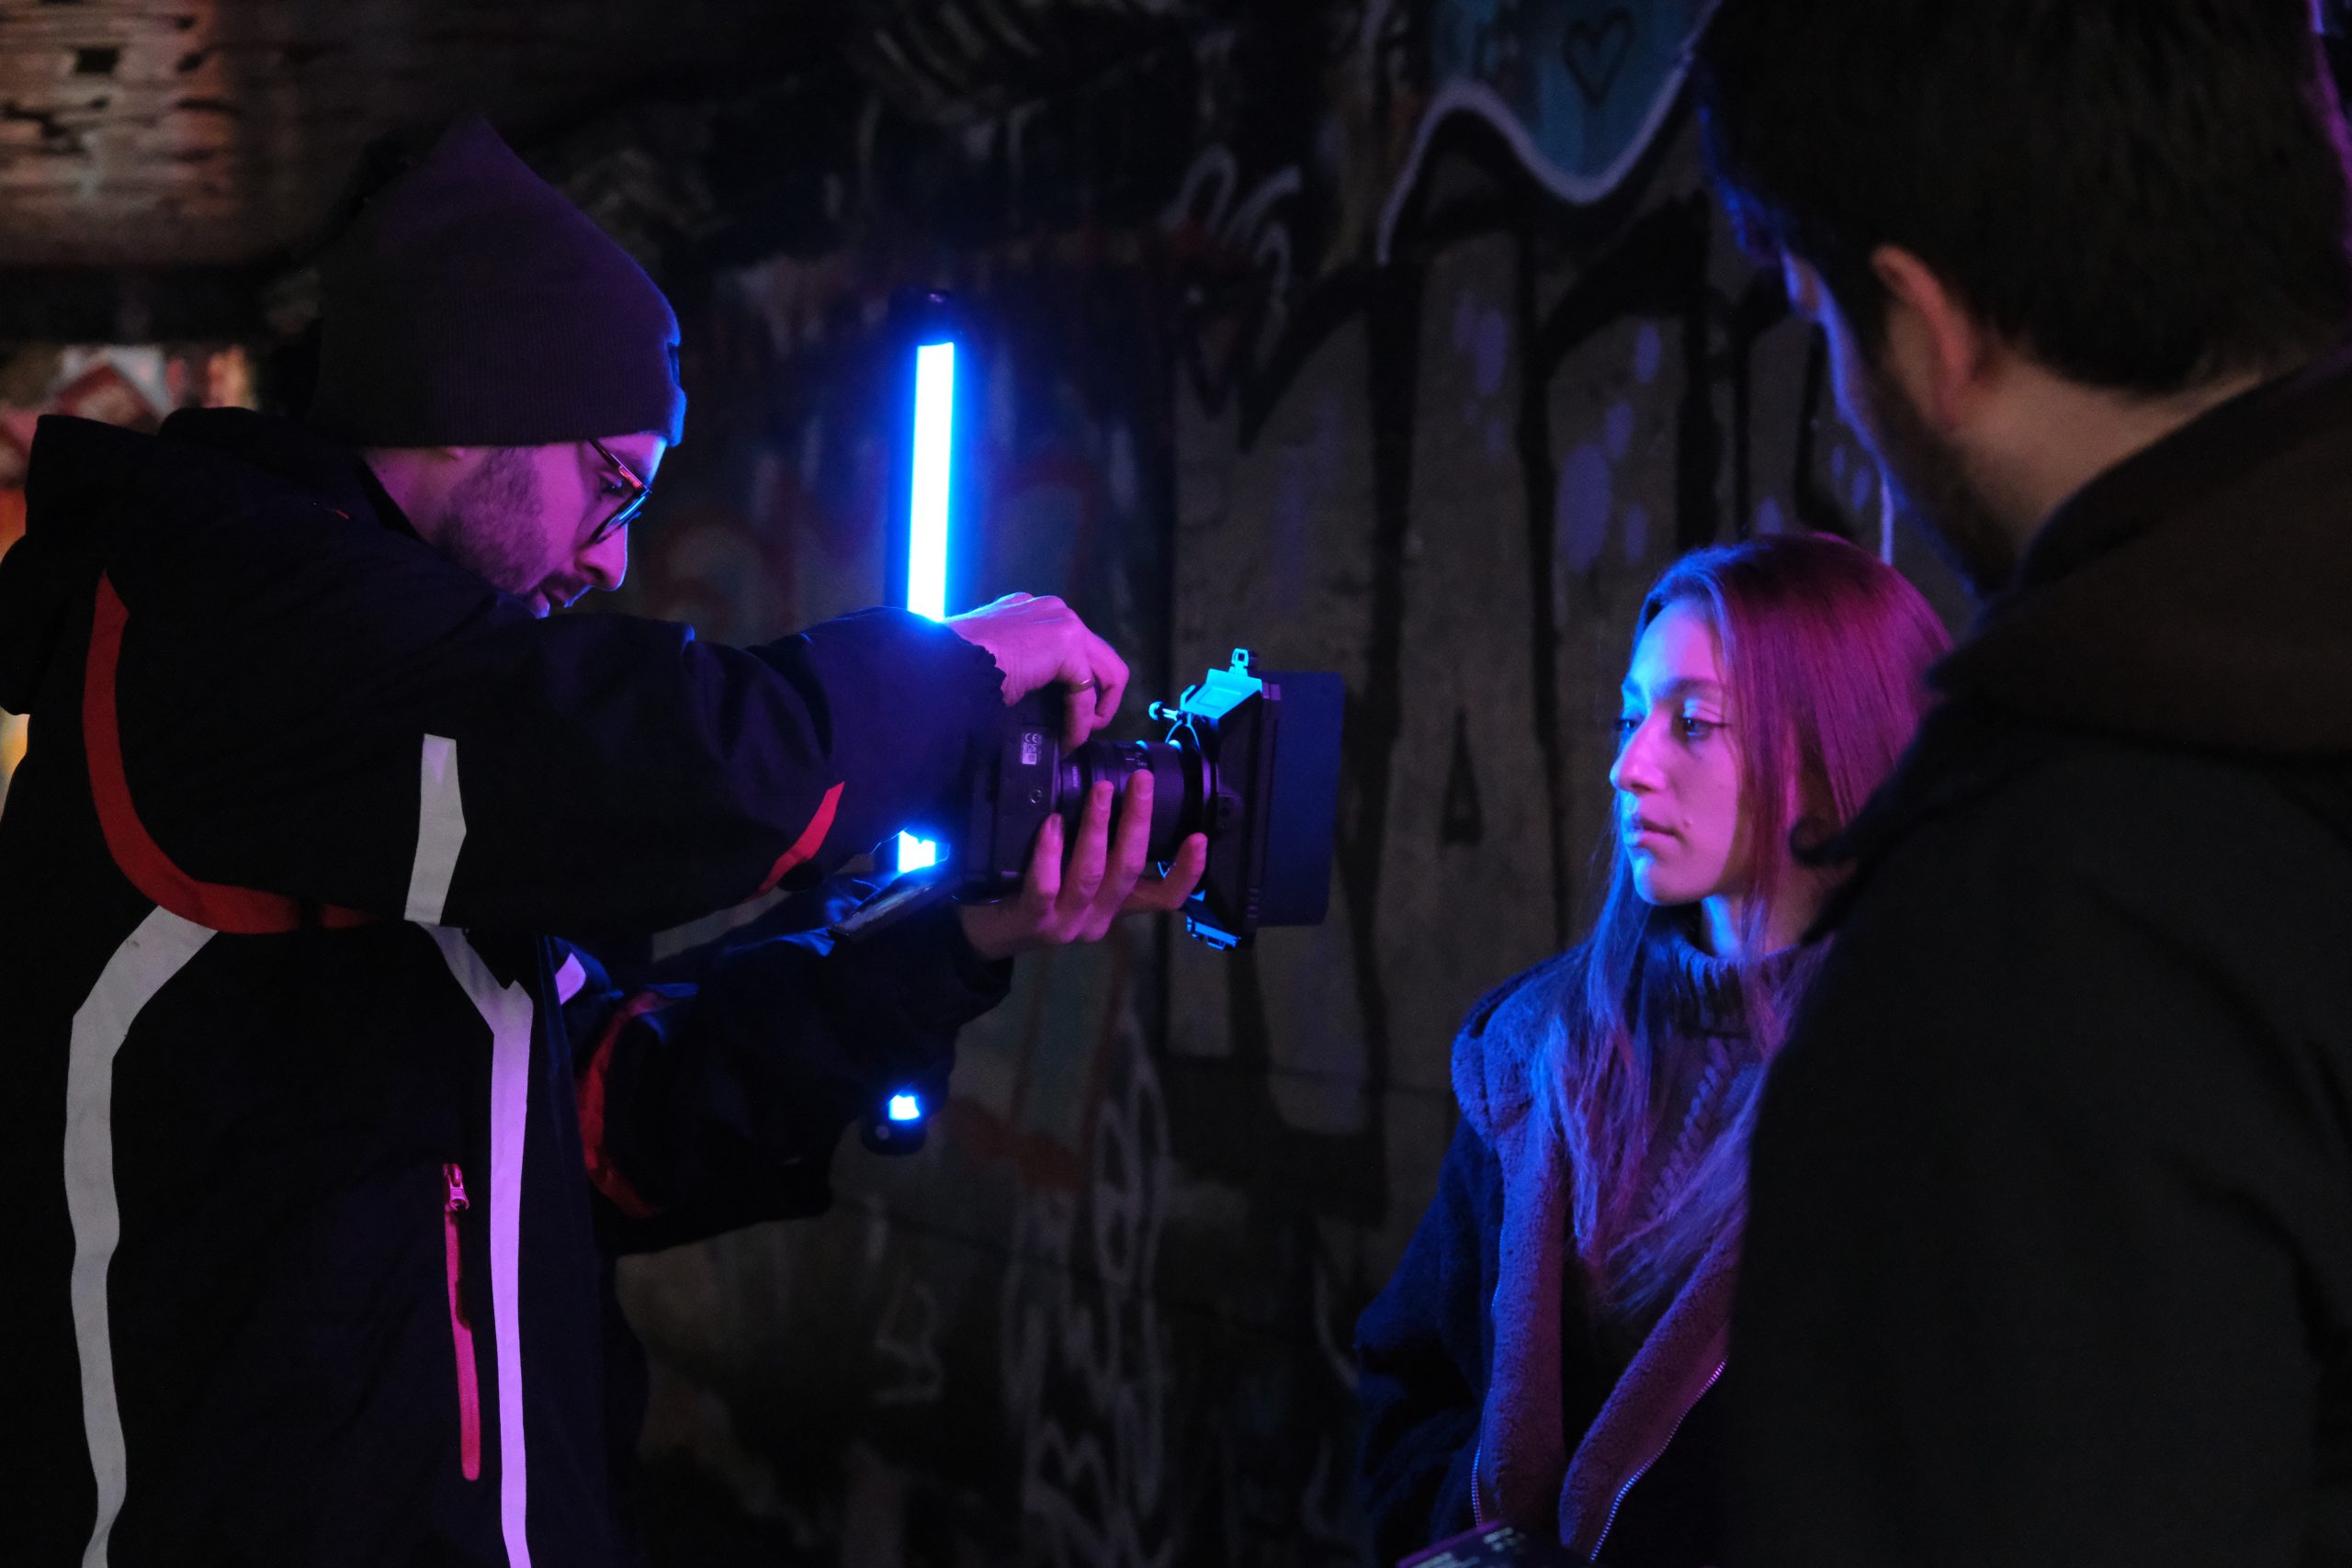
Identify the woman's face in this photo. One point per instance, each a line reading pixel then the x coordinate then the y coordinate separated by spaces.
pixel 1676 775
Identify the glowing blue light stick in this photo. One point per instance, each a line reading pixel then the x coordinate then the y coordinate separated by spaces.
pixel 927 523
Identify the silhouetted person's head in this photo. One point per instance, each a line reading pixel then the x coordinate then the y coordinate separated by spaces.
pixel 2040 233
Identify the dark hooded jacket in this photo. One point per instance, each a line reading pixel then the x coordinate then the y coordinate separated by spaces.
pixel 2050 1248
pixel 1497 1386
pixel 312 1179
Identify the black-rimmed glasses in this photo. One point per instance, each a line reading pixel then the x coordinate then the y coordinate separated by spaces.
pixel 639 490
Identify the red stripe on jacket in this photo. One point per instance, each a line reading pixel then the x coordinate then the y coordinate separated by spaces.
pixel 603 1174
pixel 236 911
pixel 812 838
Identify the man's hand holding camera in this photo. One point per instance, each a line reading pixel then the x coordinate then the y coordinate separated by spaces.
pixel 1075 885
pixel 1039 641
pixel 1075 897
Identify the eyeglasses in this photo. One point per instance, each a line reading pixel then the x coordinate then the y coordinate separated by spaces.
pixel 638 490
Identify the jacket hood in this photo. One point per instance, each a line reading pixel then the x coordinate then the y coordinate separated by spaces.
pixel 88 484
pixel 2198 593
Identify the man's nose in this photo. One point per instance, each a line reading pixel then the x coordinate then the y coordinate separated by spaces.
pixel 607 563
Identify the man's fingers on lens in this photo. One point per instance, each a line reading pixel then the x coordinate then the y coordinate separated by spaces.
pixel 1160 894
pixel 1131 842
pixel 1134 822
pixel 1082 880
pixel 1090 854
pixel 1043 887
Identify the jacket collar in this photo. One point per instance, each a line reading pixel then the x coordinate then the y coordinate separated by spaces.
pixel 326 469
pixel 2192 596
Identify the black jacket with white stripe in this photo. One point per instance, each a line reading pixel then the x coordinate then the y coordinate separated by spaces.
pixel 312 1181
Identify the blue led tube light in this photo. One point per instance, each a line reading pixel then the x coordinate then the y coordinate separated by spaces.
pixel 927 517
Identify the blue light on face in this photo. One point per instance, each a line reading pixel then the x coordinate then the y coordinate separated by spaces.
pixel 905 1107
pixel 933 466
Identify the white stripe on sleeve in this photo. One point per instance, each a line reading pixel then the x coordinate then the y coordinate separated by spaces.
pixel 440 830
pixel 148 958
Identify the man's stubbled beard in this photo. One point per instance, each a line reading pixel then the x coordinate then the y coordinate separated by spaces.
pixel 1931 483
pixel 490 522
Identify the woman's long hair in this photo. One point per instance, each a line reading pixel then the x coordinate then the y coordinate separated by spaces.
pixel 1825 650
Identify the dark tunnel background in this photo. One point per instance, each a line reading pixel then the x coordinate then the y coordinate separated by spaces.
pixel 1396 338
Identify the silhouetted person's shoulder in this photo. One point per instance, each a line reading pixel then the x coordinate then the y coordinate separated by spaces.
pixel 2050 1200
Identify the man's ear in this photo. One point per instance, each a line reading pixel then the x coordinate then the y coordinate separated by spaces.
pixel 1934 348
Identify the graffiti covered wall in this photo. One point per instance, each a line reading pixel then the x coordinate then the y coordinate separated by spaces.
pixel 133 385
pixel 1417 358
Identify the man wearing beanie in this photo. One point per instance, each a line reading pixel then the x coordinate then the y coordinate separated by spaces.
pixel 322 1146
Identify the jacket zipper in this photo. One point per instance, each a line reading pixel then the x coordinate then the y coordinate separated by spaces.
pixel 1477 1509
pixel 461 1331
pixel 1672 1432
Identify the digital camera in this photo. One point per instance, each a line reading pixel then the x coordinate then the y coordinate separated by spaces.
pixel 1250 758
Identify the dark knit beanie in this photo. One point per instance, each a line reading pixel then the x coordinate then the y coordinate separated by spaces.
pixel 468 304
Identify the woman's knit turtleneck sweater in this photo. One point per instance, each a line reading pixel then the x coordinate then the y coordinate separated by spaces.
pixel 1708 1061
pixel 1530 1469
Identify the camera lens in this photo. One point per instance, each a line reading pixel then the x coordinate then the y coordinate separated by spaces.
pixel 1182 786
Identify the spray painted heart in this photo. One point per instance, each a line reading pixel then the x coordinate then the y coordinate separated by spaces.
pixel 1595 53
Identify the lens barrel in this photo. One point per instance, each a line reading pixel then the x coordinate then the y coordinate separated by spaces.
pixel 1184 785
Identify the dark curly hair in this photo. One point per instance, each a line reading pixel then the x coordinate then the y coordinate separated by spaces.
pixel 2143 194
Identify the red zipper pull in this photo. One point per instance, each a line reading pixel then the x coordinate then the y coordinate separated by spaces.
pixel 461 1331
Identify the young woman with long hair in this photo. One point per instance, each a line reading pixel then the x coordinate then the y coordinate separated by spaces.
pixel 1543 1355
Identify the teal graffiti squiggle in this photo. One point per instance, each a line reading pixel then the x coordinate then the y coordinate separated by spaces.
pixel 1588 81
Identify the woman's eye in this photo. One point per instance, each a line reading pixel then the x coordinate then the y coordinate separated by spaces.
pixel 1697 728
pixel 1626 725
pixel 614 488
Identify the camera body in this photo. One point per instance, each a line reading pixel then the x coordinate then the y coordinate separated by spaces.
pixel 1250 758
